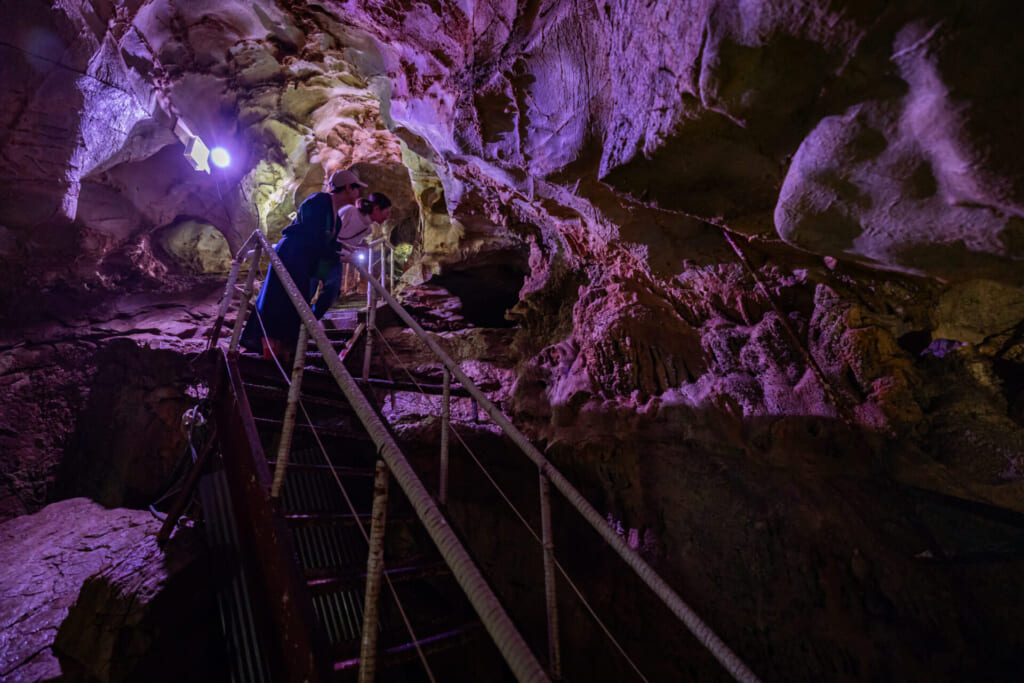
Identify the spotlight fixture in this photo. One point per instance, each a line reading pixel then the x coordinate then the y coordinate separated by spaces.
pixel 196 151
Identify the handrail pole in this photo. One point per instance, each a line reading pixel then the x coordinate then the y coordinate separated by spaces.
pixel 503 632
pixel 241 255
pixel 284 449
pixel 391 260
pixel 371 326
pixel 369 260
pixel 225 301
pixel 374 572
pixel 554 647
pixel 243 304
pixel 728 659
pixel 446 393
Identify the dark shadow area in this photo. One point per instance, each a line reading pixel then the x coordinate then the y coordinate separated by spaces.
pixel 858 574
pixel 127 441
pixel 486 292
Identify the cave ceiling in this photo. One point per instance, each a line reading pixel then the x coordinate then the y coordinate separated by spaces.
pixel 878 133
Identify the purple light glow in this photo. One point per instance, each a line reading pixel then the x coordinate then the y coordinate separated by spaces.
pixel 220 157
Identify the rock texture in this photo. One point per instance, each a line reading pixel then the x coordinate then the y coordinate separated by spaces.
pixel 94 582
pixel 93 397
pixel 761 260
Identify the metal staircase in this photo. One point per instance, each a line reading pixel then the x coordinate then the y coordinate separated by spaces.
pixel 309 461
pixel 332 554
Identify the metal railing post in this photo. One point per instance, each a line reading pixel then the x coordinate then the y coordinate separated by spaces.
pixel 225 302
pixel 243 304
pixel 371 325
pixel 369 265
pixel 285 447
pixel 374 572
pixel 700 630
pixel 445 420
pixel 554 647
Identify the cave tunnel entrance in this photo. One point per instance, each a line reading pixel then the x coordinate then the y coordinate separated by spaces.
pixel 486 291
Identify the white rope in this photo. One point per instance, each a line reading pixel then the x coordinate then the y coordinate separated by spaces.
pixel 348 501
pixel 522 519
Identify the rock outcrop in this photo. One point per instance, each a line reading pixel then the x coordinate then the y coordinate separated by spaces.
pixel 89 596
pixel 760 263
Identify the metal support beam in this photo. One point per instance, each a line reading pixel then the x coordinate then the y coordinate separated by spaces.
pixel 445 421
pixel 225 301
pixel 243 305
pixel 371 323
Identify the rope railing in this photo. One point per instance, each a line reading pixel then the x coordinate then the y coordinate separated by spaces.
pixel 544 541
pixel 295 399
pixel 496 621
pixel 700 630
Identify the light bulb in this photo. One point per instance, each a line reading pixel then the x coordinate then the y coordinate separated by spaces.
pixel 220 157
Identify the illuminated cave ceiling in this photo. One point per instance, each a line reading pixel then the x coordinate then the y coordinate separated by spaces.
pixel 600 148
pixel 882 133
pixel 864 155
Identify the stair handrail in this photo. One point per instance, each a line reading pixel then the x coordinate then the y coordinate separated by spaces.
pixel 700 630
pixel 506 637
pixel 508 640
pixel 385 244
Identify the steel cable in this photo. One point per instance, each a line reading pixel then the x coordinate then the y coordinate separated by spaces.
pixel 348 502
pixel 522 519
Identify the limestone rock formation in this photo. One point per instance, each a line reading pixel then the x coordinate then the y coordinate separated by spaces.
pixel 86 591
pixel 749 271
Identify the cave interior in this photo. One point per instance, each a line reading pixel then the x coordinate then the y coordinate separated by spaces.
pixel 746 274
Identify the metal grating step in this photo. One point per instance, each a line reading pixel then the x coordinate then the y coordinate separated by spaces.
pixel 403 652
pixel 331 579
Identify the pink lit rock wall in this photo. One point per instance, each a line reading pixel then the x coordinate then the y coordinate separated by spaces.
pixel 875 132
pixel 864 155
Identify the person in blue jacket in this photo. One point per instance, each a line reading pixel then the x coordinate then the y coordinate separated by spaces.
pixel 274 325
pixel 355 224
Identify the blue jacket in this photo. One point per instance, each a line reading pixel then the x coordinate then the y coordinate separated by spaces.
pixel 315 223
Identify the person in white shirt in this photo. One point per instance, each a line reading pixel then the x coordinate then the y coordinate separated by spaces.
pixel 356 226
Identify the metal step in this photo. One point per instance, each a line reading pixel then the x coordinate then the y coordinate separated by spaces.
pixel 331 579
pixel 404 652
pixel 264 390
pixel 300 519
pixel 327 427
pixel 341 471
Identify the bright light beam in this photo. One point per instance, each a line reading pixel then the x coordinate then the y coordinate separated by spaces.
pixel 220 157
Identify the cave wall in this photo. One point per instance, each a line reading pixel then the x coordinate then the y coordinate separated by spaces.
pixel 769 253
